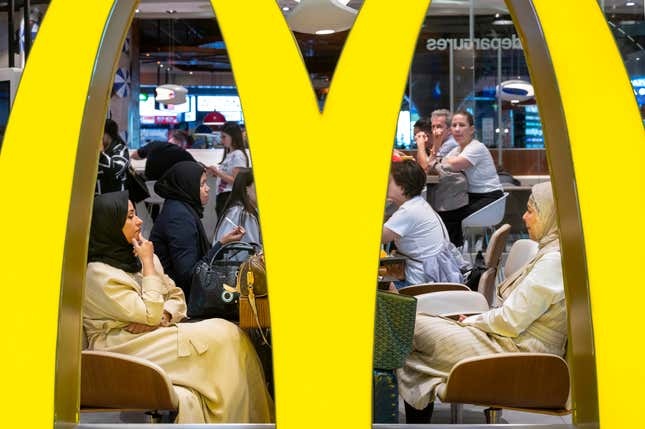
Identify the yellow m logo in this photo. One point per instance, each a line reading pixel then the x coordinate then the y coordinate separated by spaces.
pixel 314 197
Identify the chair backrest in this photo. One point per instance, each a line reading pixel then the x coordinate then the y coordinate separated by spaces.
pixel 486 285
pixel 520 380
pixel 451 303
pixel 496 246
pixel 489 215
pixel 521 252
pixel 114 380
pixel 419 289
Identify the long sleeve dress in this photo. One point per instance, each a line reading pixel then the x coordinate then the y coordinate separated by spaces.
pixel 212 364
pixel 531 318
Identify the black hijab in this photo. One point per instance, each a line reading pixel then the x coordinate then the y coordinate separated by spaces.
pixel 182 183
pixel 107 242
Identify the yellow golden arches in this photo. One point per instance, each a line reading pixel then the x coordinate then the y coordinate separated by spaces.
pixel 595 92
pixel 576 34
pixel 47 171
pixel 321 181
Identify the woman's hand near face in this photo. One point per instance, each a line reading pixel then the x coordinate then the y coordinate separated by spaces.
pixel 235 235
pixel 144 250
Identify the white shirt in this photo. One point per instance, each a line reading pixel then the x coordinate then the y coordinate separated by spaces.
pixel 235 159
pixel 421 234
pixel 482 176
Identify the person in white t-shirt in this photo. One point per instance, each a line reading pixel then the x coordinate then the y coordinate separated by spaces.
pixel 234 158
pixel 474 159
pixel 417 230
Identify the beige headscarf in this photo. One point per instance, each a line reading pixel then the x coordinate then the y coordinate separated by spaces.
pixel 548 238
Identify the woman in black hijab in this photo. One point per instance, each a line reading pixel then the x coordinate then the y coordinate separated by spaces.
pixel 130 307
pixel 108 243
pixel 178 234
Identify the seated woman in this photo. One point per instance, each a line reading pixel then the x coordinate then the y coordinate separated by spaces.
pixel 241 210
pixel 531 317
pixel 417 230
pixel 178 233
pixel 132 307
pixel 474 159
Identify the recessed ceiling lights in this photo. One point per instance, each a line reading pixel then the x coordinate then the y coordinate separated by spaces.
pixel 190 72
pixel 137 10
pixel 497 15
pixel 322 32
pixel 171 11
pixel 286 8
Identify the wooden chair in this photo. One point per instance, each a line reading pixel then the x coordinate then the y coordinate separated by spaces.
pixel 521 252
pixel 528 382
pixel 119 382
pixel 420 289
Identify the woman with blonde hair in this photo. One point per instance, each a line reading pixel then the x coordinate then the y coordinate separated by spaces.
pixel 530 317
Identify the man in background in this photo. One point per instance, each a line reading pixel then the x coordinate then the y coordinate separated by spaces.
pixel 161 155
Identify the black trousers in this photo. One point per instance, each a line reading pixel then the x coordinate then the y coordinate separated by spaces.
pixel 452 218
pixel 412 415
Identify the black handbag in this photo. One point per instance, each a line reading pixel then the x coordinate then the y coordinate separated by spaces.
pixel 137 188
pixel 208 296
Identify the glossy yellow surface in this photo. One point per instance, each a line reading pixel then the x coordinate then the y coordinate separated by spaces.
pixel 608 149
pixel 321 207
pixel 36 170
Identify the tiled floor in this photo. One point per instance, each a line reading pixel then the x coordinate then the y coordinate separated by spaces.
pixel 471 415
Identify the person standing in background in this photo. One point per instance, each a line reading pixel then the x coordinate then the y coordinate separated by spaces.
pixel 114 161
pixel 234 158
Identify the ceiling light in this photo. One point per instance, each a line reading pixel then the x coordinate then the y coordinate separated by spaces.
pixel 321 32
pixel 497 15
pixel 286 8
pixel 171 94
pixel 312 16
pixel 502 22
pixel 137 10
pixel 190 72
pixel 630 3
pixel 515 91
pixel 171 11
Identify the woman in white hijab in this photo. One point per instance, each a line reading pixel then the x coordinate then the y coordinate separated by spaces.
pixel 530 317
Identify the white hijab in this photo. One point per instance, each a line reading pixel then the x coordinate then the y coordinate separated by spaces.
pixel 548 238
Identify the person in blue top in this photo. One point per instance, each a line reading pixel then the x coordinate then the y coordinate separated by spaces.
pixel 178 234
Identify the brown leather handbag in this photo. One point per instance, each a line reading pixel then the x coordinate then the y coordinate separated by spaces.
pixel 254 300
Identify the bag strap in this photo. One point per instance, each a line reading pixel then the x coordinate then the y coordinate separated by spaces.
pixel 249 281
pixel 235 245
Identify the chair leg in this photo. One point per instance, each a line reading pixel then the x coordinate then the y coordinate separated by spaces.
pixel 456 413
pixel 154 416
pixel 492 415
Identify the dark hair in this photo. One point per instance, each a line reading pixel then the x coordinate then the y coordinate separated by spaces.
pixel 467 114
pixel 111 129
pixel 424 124
pixel 239 196
pixel 409 176
pixel 234 130
pixel 184 137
